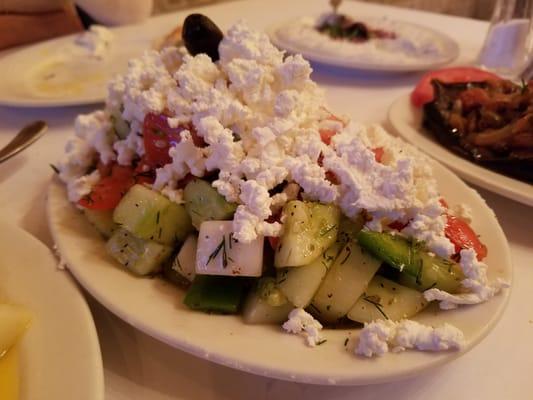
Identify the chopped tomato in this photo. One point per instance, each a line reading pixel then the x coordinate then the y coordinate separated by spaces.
pixel 104 169
pixel 107 193
pixel 397 225
pixel 326 135
pixel 464 237
pixel 183 182
pixel 273 241
pixel 423 92
pixel 158 137
pixel 378 153
pixel 332 177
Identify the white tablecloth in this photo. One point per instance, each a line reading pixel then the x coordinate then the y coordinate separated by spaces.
pixel 139 367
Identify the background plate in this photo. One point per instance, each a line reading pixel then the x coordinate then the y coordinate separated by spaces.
pixel 451 51
pixel 21 70
pixel 407 122
pixel 155 307
pixel 60 356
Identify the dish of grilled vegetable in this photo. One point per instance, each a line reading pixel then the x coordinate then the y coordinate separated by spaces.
pixel 490 123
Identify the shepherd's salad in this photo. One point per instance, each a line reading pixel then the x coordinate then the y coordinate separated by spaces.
pixel 222 168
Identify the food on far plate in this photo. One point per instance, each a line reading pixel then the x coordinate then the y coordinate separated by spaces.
pixel 76 66
pixel 481 117
pixel 226 174
pixel 368 40
pixel 423 92
pixel 339 26
pixel 14 320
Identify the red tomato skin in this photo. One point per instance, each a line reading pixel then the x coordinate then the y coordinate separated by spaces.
pixel 158 137
pixel 464 237
pixel 378 153
pixel 326 135
pixel 399 226
pixel 108 192
pixel 273 242
pixel 423 92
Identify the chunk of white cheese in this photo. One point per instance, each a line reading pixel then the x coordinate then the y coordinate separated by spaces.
pixel 220 253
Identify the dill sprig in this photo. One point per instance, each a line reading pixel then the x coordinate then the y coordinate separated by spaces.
pixel 375 301
pixel 56 170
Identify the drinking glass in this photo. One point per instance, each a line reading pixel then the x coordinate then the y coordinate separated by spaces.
pixel 508 45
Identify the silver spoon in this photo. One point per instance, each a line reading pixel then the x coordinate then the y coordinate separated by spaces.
pixel 27 135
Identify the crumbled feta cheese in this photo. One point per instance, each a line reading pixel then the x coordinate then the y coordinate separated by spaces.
pixel 96 40
pixel 93 141
pixel 379 337
pixel 301 322
pixel 476 284
pixel 462 211
pixel 82 186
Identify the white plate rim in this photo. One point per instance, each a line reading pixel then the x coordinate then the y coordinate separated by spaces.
pixel 57 200
pixel 326 59
pixel 405 119
pixel 47 265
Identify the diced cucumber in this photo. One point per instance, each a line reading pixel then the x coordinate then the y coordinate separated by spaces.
pixel 181 271
pixel 217 294
pixel 309 229
pixel 219 253
pixel 425 270
pixel 102 220
pixel 204 203
pixel 344 283
pixel 120 126
pixel 385 299
pixel 185 262
pixel 265 304
pixel 142 257
pixel 150 215
pixel 299 284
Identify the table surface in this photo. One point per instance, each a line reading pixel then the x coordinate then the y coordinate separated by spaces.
pixel 138 367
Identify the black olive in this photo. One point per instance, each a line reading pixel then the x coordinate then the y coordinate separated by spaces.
pixel 201 35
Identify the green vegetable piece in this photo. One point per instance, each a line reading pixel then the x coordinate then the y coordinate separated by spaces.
pixel 216 294
pixel 204 203
pixel 422 270
pixel 345 282
pixel 150 215
pixel 309 229
pixel 141 257
pixel 265 304
pixel 102 220
pixel 299 284
pixel 120 126
pixel 385 299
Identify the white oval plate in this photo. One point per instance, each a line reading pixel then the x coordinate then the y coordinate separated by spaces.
pixel 155 307
pixel 60 355
pixel 344 59
pixel 27 73
pixel 407 122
